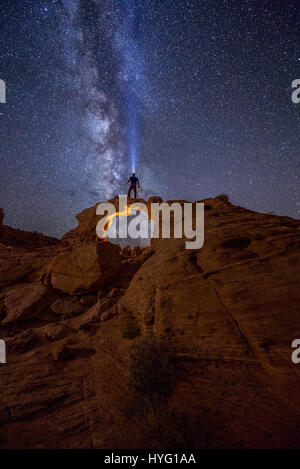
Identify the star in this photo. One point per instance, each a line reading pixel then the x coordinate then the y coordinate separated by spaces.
pixel 192 94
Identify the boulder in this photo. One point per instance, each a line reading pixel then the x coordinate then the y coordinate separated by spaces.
pixel 84 268
pixel 54 332
pixel 67 307
pixel 23 302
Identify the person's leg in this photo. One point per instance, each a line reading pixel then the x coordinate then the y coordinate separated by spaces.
pixel 129 191
pixel 135 192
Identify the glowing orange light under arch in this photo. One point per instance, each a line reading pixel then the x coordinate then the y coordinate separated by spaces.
pixel 126 213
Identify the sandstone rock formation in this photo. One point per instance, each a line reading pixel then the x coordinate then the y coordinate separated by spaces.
pixel 72 312
pixel 11 237
pixel 84 268
pixel 23 302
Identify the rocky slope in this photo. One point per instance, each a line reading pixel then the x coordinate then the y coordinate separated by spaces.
pixel 11 237
pixel 72 312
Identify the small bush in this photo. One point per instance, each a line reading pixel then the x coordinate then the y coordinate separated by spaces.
pixel 130 327
pixel 164 425
pixel 223 197
pixel 163 428
pixel 152 370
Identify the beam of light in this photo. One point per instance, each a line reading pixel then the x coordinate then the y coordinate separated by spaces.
pixel 133 140
pixel 131 76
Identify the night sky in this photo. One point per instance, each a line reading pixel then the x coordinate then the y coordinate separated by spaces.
pixel 196 94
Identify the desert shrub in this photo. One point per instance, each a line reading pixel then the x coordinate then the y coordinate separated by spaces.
pixel 152 414
pixel 223 197
pixel 163 428
pixel 130 327
pixel 152 370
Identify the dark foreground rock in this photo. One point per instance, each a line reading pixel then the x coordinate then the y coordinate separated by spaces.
pixel 73 313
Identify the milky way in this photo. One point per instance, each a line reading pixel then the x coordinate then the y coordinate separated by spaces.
pixel 195 94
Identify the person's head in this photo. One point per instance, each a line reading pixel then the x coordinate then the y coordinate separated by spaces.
pixel 133 174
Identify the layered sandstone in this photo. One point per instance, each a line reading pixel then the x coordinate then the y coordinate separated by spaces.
pixel 229 311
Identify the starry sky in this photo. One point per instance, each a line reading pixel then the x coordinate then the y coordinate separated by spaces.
pixel 194 94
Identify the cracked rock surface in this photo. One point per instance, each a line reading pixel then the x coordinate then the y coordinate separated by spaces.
pixel 230 311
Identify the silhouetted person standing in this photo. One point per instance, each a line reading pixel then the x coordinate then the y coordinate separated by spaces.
pixel 134 184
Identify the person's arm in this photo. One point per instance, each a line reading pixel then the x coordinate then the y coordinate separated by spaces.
pixel 138 183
